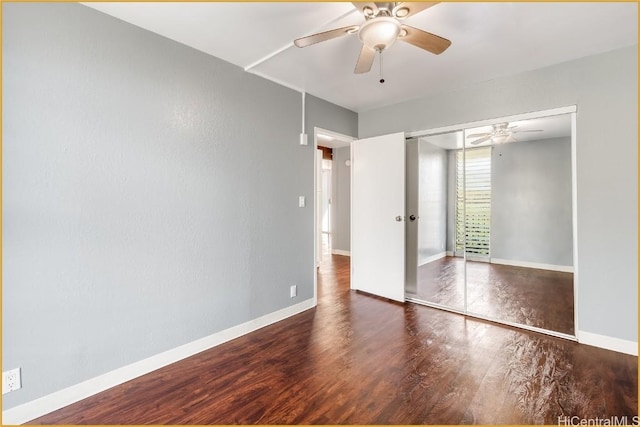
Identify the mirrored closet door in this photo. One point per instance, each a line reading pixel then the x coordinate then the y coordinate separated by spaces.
pixel 493 234
pixel 436 272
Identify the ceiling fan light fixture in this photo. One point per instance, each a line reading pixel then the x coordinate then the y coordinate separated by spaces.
pixel 380 33
pixel 500 138
pixel 401 12
pixel 368 11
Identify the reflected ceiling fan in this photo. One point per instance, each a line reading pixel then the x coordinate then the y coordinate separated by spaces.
pixel 500 133
pixel 382 27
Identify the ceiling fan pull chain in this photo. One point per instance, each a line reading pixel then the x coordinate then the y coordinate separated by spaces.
pixel 381 77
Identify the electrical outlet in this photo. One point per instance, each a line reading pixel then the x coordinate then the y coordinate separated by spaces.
pixel 293 291
pixel 11 380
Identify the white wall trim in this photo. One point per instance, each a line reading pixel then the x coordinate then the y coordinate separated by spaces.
pixel 563 268
pixel 340 252
pixel 433 258
pixel 574 217
pixel 344 140
pixel 59 399
pixel 608 343
pixel 449 253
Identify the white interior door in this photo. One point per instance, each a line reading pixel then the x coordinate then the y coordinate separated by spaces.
pixel 377 215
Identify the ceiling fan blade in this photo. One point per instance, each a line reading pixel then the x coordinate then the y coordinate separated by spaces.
pixel 406 9
pixel 324 36
pixel 483 139
pixel 368 8
pixel 365 60
pixel 527 130
pixel 424 40
pixel 478 135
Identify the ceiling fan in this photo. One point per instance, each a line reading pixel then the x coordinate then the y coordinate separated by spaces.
pixel 500 133
pixel 382 27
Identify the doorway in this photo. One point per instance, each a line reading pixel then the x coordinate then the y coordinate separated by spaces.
pixel 333 194
pixel 324 199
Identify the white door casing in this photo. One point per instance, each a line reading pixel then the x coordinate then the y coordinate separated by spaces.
pixel 318 206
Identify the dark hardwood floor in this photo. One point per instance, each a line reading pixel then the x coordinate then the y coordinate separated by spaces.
pixel 529 296
pixel 358 359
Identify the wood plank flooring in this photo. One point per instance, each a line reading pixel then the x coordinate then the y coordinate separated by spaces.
pixel 540 298
pixel 358 359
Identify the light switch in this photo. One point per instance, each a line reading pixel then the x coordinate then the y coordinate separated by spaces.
pixel 301 202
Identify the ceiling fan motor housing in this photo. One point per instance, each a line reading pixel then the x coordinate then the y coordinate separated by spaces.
pixel 382 27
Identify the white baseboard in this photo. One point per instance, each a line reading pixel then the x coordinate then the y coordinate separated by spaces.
pixel 433 258
pixel 59 399
pixel 449 253
pixel 563 268
pixel 340 252
pixel 608 343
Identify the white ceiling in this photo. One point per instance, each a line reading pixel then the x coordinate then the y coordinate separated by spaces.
pixel 489 40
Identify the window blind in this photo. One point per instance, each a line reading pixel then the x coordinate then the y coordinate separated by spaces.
pixel 473 202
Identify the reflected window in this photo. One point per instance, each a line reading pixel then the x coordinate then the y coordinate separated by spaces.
pixel 473 219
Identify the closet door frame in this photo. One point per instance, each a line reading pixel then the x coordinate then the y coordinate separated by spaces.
pixel 572 110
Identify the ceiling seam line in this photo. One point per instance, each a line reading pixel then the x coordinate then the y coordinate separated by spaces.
pixel 268 57
pixel 290 44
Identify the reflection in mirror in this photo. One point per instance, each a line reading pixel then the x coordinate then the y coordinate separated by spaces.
pixel 490 222
pixel 434 273
pixel 518 229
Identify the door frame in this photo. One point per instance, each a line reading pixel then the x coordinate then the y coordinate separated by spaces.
pixel 345 139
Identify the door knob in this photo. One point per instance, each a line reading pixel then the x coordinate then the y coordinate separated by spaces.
pixel 398 218
pixel 412 217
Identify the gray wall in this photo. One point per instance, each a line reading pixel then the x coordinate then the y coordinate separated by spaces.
pixel 150 195
pixel 426 197
pixel 432 225
pixel 605 89
pixel 325 115
pixel 341 201
pixel 412 207
pixel 531 217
